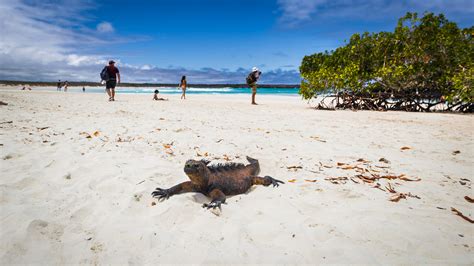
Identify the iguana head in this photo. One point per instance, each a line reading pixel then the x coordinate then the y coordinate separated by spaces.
pixel 196 171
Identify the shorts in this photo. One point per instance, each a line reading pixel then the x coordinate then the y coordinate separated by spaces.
pixel 253 86
pixel 110 84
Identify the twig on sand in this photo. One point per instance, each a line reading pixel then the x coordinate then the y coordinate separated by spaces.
pixel 458 213
pixel 140 182
pixel 390 188
pixel 294 167
pixel 352 179
pixel 377 185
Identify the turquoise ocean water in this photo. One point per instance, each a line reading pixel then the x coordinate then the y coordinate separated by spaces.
pixel 175 90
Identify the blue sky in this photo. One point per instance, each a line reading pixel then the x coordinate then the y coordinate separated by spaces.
pixel 210 41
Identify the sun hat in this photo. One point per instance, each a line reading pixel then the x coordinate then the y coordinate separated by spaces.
pixel 111 62
pixel 254 69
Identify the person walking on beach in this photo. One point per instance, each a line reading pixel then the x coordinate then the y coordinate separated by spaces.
pixel 252 79
pixel 83 89
pixel 112 80
pixel 59 85
pixel 183 86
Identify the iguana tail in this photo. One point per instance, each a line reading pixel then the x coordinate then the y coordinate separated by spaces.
pixel 254 165
pixel 252 160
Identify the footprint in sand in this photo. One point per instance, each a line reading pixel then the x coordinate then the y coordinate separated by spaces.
pixel 40 229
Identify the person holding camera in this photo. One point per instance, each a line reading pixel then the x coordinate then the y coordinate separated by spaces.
pixel 252 79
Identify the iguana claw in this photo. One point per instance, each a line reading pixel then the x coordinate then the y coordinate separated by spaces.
pixel 161 194
pixel 213 204
pixel 274 182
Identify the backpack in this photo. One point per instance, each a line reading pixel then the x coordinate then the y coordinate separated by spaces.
pixel 104 74
pixel 250 78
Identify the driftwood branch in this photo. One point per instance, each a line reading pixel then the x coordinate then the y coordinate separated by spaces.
pixel 383 101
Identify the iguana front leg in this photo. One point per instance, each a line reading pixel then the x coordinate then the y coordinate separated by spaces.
pixel 266 181
pixel 218 197
pixel 163 194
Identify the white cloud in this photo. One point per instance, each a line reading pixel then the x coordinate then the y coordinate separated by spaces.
pixel 105 27
pixel 295 11
pixel 32 37
pixel 146 67
pixel 39 41
pixel 78 60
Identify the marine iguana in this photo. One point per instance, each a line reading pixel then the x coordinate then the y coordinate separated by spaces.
pixel 218 181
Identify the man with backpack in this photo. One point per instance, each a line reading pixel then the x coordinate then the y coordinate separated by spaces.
pixel 252 82
pixel 111 75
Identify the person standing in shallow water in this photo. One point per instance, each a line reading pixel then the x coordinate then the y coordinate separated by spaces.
pixel 114 78
pixel 252 79
pixel 183 86
pixel 66 84
pixel 59 85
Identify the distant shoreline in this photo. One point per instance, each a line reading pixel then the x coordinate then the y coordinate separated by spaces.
pixel 95 84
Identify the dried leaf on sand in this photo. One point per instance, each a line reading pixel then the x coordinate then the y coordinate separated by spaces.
pixel 389 176
pixel 168 145
pixel 292 180
pixel 366 179
pixel 294 167
pixel 398 196
pixel 337 180
pixel 87 135
pixel 469 199
pixel 348 167
pixel 405 148
pixel 362 160
pixel 310 180
pixel 96 133
pixel 405 178
pixel 202 154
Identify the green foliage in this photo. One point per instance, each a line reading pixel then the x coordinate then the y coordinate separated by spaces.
pixel 428 55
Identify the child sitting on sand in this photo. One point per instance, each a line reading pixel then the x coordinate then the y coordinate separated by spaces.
pixel 155 97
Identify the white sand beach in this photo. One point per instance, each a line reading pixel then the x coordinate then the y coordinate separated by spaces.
pixel 77 172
